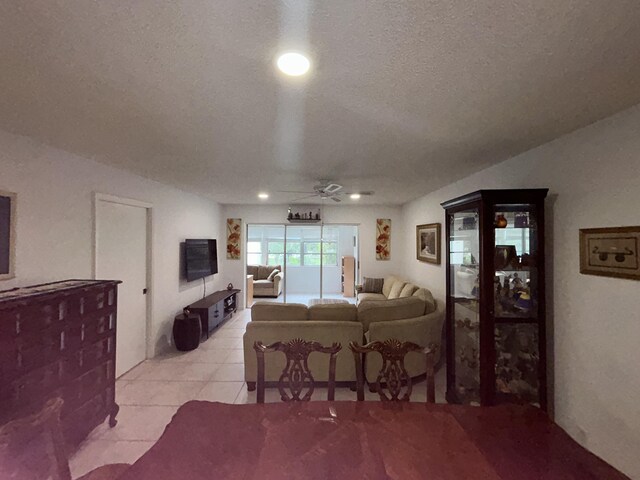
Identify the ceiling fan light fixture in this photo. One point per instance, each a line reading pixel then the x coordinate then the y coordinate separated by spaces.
pixel 355 196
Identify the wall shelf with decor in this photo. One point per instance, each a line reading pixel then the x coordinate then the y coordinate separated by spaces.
pixel 495 323
pixel 303 214
pixel 300 220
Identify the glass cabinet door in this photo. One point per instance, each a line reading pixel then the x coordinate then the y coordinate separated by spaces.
pixel 464 288
pixel 516 302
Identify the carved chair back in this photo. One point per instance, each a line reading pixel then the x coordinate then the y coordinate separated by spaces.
pixel 393 375
pixel 34 447
pixel 296 376
pixel 21 436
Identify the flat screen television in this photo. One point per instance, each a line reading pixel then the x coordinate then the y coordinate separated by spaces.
pixel 201 258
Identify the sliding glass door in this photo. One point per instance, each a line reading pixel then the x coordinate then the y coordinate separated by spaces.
pixel 310 257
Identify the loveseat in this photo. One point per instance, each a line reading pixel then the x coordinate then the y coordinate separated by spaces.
pixel 266 283
pixel 418 318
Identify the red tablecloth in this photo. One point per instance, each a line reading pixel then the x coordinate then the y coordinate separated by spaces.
pixel 365 440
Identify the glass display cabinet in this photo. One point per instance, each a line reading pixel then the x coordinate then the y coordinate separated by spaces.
pixel 495 325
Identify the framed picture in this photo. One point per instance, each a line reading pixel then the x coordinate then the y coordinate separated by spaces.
pixel 610 252
pixel 7 234
pixel 428 243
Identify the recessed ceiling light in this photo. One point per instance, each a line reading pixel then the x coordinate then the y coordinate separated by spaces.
pixel 293 64
pixel 355 196
pixel 263 196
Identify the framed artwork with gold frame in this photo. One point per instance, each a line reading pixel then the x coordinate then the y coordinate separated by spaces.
pixel 428 243
pixel 610 252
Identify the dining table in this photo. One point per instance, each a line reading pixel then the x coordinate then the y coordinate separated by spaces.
pixel 365 440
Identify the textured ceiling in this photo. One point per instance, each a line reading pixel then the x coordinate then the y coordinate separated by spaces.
pixel 404 97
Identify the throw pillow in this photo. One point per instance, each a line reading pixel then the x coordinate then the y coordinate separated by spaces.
pixel 372 285
pixel 408 290
pixel 397 287
pixel 273 274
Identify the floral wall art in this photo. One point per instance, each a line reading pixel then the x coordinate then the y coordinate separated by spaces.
pixel 234 232
pixel 383 239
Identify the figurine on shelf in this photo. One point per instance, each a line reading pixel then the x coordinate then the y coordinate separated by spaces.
pixel 521 220
pixel 297 216
pixel 289 214
pixel 501 221
pixel 517 282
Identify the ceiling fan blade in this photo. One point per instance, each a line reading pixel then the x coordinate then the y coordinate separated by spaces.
pixel 303 198
pixel 335 199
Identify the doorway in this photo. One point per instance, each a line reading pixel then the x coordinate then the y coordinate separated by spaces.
pixel 122 253
pixel 310 256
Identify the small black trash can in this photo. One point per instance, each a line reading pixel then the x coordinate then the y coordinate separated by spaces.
pixel 187 331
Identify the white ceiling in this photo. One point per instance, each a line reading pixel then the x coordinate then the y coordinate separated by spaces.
pixel 404 96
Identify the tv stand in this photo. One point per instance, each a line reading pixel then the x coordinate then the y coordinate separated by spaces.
pixel 215 308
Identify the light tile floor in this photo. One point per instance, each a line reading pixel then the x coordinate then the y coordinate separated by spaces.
pixel 150 394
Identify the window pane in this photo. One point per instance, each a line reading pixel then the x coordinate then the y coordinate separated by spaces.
pixel 311 259
pixel 329 247
pixel 330 260
pixel 276 247
pixel 293 259
pixel 253 247
pixel 275 259
pixel 312 247
pixel 254 259
pixel 293 247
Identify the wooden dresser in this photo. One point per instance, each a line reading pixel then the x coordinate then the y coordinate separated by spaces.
pixel 59 339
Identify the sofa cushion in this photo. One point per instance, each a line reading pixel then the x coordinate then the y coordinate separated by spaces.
pixel 388 283
pixel 396 288
pixel 273 274
pixel 334 312
pixel 427 297
pixel 370 296
pixel 264 271
pixel 253 270
pixel 407 290
pixel 269 311
pixel 372 285
pixel 385 310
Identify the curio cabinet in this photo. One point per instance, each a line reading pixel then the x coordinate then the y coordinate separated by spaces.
pixel 495 325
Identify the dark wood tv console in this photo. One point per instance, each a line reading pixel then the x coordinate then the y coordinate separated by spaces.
pixel 215 308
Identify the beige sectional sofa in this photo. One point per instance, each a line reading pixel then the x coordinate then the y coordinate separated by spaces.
pixel 273 322
pixel 263 286
pixel 416 318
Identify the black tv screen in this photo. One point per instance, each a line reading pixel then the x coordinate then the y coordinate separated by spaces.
pixel 201 258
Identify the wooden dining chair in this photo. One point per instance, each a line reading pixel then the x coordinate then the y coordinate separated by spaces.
pixel 393 374
pixel 34 445
pixel 296 376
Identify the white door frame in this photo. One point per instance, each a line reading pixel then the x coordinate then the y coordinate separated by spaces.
pixel 104 197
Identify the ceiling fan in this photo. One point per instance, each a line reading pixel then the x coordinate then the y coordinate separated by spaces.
pixel 326 190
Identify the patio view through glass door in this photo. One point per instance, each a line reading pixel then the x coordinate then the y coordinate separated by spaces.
pixel 310 257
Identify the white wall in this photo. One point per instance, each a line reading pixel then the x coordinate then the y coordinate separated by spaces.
pixel 594 179
pixel 55 223
pixel 363 216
